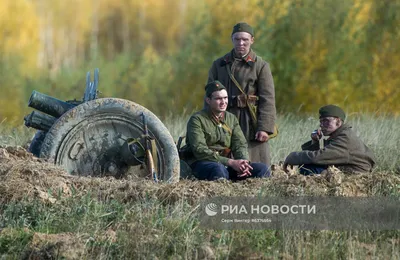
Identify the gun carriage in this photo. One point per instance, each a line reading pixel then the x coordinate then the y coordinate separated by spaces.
pixel 101 136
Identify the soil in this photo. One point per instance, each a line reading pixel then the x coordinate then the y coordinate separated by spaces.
pixel 23 176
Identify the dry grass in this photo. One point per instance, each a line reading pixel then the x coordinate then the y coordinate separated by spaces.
pixel 47 213
pixel 24 176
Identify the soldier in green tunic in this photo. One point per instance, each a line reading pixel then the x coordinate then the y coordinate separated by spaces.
pixel 217 142
pixel 343 149
pixel 250 85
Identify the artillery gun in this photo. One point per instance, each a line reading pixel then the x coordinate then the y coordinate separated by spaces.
pixel 101 136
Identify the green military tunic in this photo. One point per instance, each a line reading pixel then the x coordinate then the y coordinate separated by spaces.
pixel 204 133
pixel 344 149
pixel 254 76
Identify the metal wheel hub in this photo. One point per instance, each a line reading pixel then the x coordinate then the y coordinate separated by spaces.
pixel 93 147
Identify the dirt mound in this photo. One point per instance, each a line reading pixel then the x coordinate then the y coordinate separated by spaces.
pixel 23 176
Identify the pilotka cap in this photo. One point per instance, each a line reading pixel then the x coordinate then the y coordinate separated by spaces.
pixel 243 27
pixel 332 110
pixel 212 87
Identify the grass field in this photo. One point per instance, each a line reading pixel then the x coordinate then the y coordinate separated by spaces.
pixel 159 224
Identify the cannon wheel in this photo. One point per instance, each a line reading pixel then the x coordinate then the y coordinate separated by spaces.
pixel 87 139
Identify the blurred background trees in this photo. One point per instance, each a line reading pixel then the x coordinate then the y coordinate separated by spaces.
pixel 157 53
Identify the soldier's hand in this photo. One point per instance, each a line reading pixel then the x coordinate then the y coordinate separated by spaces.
pixel 245 169
pixel 316 135
pixel 244 165
pixel 285 167
pixel 235 164
pixel 262 136
pixel 244 173
pixel 240 165
pixel 286 164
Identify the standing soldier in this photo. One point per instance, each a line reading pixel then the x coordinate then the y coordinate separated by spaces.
pixel 251 91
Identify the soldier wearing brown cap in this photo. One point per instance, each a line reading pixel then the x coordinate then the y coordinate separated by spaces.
pixel 250 86
pixel 343 149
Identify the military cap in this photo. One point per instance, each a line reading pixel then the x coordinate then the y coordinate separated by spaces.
pixel 243 27
pixel 332 110
pixel 212 87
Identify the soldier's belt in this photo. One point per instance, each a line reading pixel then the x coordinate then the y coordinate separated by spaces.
pixel 223 151
pixel 244 100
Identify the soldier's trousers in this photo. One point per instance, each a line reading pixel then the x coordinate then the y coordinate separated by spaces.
pixel 308 169
pixel 259 152
pixel 207 170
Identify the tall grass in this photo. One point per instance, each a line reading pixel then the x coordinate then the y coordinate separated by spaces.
pixel 14 136
pixel 150 229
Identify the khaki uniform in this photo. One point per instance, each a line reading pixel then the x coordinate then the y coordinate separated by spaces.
pixel 203 132
pixel 344 149
pixel 254 76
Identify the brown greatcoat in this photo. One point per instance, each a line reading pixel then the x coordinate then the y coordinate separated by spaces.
pixel 343 149
pixel 254 76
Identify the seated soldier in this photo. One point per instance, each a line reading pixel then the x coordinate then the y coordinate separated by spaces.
pixel 217 142
pixel 343 149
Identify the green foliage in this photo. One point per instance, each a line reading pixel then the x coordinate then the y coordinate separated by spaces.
pixel 320 53
pixel 14 136
pixel 10 103
pixel 150 229
pixel 162 230
pixel 14 242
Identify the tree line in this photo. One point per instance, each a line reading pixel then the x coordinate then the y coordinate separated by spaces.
pixel 157 53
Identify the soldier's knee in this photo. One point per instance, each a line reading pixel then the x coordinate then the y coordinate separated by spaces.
pixel 260 170
pixel 218 172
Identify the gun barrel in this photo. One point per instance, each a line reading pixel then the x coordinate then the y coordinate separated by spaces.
pixel 39 121
pixel 49 105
